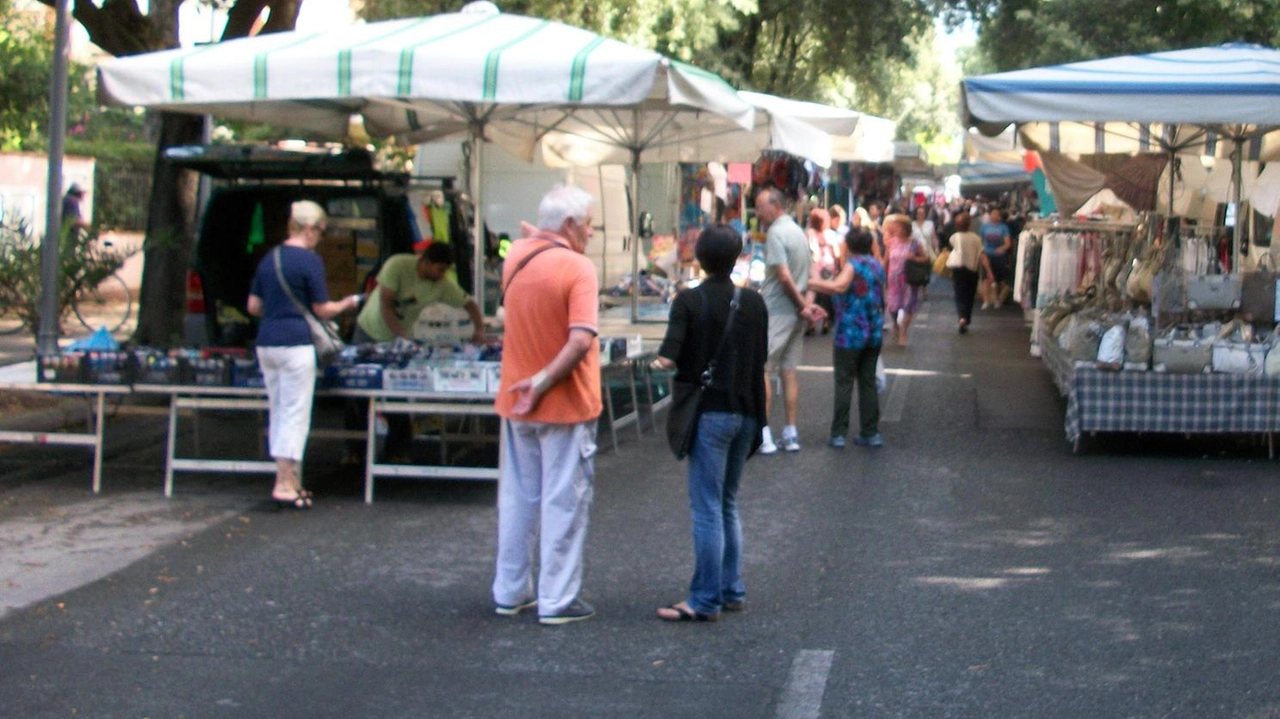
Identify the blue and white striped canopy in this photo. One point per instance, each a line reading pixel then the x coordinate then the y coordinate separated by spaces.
pixel 1230 84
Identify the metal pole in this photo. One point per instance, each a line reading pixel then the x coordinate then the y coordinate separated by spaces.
pixel 1237 159
pixel 633 190
pixel 477 259
pixel 47 337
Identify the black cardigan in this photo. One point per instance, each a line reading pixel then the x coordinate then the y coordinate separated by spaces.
pixel 738 386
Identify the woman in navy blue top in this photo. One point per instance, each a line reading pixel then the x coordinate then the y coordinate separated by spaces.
pixel 285 352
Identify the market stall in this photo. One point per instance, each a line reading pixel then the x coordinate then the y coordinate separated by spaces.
pixel 450 382
pixel 1153 327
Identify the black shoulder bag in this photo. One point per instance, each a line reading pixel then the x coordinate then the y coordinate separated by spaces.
pixel 686 397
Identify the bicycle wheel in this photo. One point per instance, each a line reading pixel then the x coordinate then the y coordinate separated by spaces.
pixel 107 305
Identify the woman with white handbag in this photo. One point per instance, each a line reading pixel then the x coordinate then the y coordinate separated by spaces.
pixel 965 260
pixel 289 281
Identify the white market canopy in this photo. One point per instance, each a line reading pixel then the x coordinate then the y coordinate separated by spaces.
pixel 415 78
pixel 476 72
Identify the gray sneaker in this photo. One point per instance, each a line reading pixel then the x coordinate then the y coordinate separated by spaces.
pixel 837 441
pixel 575 612
pixel 873 441
pixel 511 610
pixel 791 444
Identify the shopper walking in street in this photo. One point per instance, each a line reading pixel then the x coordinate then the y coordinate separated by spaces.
pixel 731 414
pixel 549 401
pixel 786 278
pixel 966 246
pixel 825 251
pixel 902 298
pixel 290 275
pixel 857 294
pixel 997 244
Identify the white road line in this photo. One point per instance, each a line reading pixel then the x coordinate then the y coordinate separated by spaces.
pixel 802 698
pixel 895 401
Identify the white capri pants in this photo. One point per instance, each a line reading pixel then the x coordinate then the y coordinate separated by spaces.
pixel 290 376
pixel 544 495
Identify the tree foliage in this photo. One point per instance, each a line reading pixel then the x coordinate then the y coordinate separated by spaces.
pixel 1016 34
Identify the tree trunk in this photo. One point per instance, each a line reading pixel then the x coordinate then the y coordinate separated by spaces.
pixel 170 237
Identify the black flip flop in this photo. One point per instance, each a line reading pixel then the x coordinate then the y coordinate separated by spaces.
pixel 685 614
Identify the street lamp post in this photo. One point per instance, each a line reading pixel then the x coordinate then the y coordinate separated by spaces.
pixel 47 337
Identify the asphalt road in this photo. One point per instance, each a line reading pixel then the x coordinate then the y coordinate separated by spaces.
pixel 973 567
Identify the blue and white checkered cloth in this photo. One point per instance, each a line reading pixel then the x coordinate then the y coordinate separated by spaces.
pixel 1159 402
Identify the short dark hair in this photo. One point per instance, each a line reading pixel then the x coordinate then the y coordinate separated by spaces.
pixel 439 252
pixel 718 249
pixel 858 240
pixel 963 221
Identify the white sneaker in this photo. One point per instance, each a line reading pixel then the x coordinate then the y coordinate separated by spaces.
pixel 768 447
pixel 791 444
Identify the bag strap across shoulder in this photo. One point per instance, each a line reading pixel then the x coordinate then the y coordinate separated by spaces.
pixel 502 296
pixel 306 311
pixel 708 373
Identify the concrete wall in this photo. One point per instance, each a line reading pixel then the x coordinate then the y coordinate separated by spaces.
pixel 24 177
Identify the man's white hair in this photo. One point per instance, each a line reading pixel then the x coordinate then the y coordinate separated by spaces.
pixel 562 203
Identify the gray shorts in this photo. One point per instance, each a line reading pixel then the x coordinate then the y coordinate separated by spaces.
pixel 786 340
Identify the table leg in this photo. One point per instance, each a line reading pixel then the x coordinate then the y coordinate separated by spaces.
pixel 97 445
pixel 171 445
pixel 635 401
pixel 370 446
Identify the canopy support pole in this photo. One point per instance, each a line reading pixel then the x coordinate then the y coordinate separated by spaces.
pixel 479 240
pixel 1237 173
pixel 633 193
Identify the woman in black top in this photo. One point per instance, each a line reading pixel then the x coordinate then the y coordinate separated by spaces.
pixel 731 415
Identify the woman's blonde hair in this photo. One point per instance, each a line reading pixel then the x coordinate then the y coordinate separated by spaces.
pixel 305 213
pixel 902 221
pixel 864 217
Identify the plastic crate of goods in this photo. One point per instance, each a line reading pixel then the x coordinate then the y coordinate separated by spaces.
pixel 359 376
pixel 408 379
pixel 206 371
pixel 246 373
pixel 468 378
pixel 108 367
pixel 155 367
pixel 68 368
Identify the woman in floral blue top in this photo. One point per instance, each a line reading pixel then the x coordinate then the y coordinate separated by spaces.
pixel 857 296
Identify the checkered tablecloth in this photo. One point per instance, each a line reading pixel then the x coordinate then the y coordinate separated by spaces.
pixel 1159 402
pixel 1058 362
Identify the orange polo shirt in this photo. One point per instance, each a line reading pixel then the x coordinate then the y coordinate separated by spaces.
pixel 555 292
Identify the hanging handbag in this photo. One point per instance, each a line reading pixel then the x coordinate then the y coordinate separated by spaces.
pixel 682 416
pixel 323 337
pixel 918 273
pixel 940 267
pixel 1258 292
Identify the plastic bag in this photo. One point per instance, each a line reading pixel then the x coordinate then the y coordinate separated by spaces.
pixel 1111 348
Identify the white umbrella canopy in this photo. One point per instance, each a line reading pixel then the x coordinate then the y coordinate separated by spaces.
pixel 418 76
pixel 1222 100
pixel 424 78
pixel 804 129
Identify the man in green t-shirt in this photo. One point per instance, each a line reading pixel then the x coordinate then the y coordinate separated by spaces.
pixel 406 285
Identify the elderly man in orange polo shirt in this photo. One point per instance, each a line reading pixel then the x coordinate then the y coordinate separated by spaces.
pixel 549 401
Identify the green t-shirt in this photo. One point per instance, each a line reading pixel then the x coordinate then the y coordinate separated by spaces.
pixel 400 275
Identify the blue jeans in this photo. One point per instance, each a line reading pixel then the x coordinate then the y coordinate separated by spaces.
pixel 715 469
